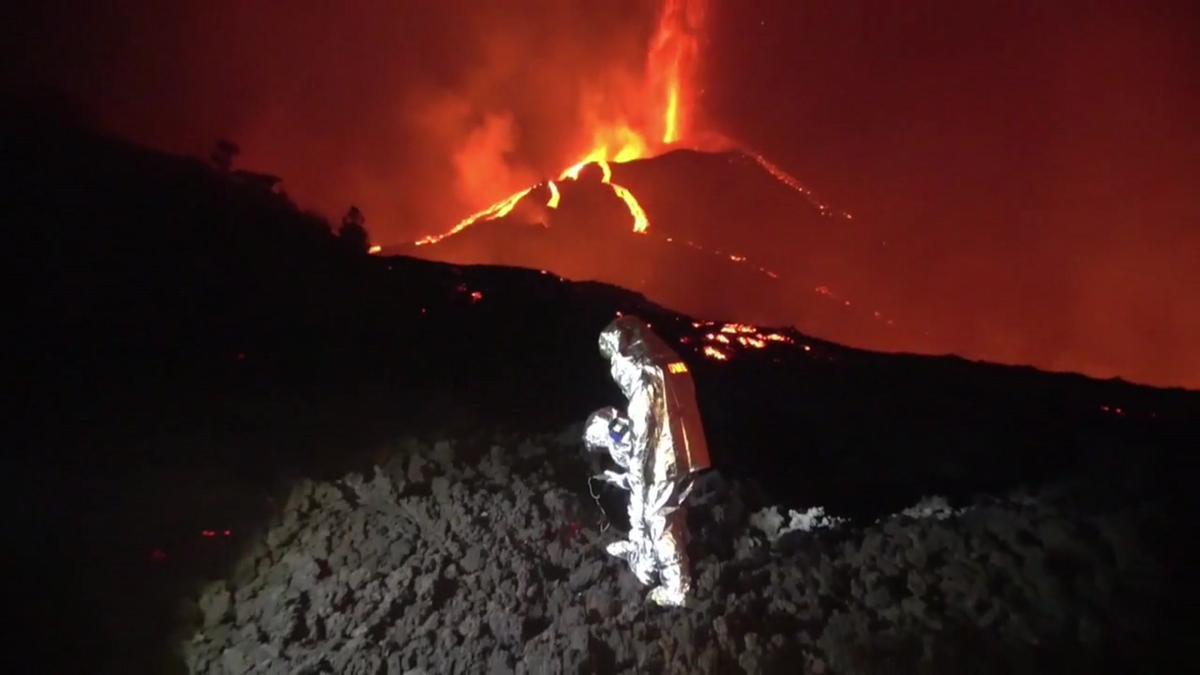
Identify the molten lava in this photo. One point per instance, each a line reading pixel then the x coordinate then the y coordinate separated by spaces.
pixel 729 335
pixel 674 52
pixel 640 221
pixel 621 128
pixel 663 107
pixel 790 181
pixel 649 123
pixel 497 210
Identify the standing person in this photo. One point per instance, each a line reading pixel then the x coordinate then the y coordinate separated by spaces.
pixel 660 442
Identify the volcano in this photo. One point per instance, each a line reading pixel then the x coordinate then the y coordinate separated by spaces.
pixel 210 373
pixel 677 227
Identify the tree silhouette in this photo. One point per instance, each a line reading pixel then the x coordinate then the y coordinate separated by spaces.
pixel 353 232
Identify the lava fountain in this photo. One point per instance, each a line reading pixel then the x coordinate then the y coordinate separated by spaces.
pixel 654 118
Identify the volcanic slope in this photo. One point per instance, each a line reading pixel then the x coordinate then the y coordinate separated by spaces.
pixel 199 349
pixel 729 235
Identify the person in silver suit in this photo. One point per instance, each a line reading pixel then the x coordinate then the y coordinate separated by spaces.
pixel 660 445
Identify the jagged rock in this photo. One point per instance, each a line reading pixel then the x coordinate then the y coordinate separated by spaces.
pixel 416 469
pixel 214 604
pixel 443 453
pixel 497 569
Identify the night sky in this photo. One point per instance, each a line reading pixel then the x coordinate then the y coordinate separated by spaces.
pixel 1030 164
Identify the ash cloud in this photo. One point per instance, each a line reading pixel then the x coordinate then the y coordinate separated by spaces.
pixel 1032 166
pixel 396 107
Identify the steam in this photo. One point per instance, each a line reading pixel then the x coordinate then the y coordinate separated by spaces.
pixel 484 164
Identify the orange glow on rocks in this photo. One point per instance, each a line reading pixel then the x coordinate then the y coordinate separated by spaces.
pixel 1026 205
pixel 738 328
pixel 731 335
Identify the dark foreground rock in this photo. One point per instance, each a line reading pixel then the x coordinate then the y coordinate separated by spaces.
pixel 172 368
pixel 488 557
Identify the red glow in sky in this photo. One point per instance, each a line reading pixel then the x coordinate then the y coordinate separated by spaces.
pixel 1031 166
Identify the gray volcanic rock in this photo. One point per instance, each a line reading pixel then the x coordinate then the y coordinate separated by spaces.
pixel 456 558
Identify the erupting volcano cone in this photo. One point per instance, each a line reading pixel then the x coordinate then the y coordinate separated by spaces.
pixel 722 235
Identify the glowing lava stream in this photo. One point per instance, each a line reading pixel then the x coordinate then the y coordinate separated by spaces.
pixel 663 102
pixel 640 222
pixel 503 207
pixel 665 97
pixel 497 210
pixel 660 108
pixel 788 180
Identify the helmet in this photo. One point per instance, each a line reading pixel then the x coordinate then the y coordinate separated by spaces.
pixel 597 432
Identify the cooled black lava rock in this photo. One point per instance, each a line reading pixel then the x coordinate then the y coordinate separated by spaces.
pixel 496 565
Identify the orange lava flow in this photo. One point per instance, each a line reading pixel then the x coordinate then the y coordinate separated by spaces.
pixel 738 328
pixel 497 210
pixel 790 181
pixel 640 222
pixel 729 335
pixel 674 52
pixel 654 115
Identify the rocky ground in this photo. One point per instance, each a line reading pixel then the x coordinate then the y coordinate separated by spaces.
pixel 487 556
pixel 176 376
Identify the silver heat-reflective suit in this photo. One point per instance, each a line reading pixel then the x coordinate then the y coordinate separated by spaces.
pixel 660 445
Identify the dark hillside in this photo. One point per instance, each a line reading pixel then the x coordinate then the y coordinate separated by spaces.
pixel 189 342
